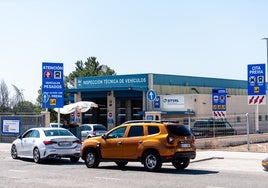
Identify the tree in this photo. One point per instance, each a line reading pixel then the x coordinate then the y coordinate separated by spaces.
pixel 91 67
pixel 4 98
pixel 16 103
pixel 25 107
pixel 18 97
pixel 39 97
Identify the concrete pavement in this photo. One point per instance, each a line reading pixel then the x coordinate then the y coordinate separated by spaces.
pixel 229 161
pixel 213 160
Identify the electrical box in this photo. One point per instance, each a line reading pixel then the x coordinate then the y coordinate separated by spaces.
pixel 153 115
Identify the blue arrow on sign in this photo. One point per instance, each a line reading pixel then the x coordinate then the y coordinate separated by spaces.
pixel 151 94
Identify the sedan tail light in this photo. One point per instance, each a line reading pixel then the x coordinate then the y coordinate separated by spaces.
pixel 49 142
pixel 77 142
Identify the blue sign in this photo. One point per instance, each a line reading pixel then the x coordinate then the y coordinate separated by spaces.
pixel 151 94
pixel 52 85
pixel 218 99
pixel 150 117
pixel 256 79
pixel 135 81
pixel 157 102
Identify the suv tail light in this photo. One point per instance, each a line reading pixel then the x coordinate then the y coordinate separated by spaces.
pixel 170 139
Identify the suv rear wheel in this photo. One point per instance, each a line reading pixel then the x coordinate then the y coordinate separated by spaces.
pixel 92 159
pixel 152 161
pixel 181 163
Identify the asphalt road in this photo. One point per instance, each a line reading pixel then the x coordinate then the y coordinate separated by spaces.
pixel 211 169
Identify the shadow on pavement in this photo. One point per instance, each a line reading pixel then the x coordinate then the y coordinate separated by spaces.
pixel 164 169
pixel 56 161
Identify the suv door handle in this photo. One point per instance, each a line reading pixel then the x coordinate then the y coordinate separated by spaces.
pixel 119 143
pixel 140 141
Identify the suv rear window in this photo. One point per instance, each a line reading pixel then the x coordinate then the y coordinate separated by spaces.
pixel 179 130
pixel 153 130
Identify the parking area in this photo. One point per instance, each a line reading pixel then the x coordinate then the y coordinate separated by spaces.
pixel 211 167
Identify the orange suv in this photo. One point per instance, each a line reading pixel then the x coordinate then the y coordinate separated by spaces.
pixel 150 142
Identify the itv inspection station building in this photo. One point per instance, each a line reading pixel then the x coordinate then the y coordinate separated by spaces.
pixel 131 97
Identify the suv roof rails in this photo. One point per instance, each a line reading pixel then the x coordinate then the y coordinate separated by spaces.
pixel 142 121
pixel 151 121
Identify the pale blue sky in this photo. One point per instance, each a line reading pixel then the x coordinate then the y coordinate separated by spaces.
pixel 207 38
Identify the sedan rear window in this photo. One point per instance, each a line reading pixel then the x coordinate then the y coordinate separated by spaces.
pixel 179 130
pixel 55 132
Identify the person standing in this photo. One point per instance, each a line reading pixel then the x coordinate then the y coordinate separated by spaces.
pixel 65 124
pixel 75 129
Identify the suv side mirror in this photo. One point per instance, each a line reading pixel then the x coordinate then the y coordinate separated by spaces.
pixel 104 136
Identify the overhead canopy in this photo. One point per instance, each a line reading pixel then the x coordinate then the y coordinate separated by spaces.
pixel 81 106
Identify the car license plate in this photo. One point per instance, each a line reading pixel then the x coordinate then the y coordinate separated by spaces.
pixel 64 144
pixel 183 145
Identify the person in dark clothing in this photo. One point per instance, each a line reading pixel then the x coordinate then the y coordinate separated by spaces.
pixel 65 124
pixel 75 129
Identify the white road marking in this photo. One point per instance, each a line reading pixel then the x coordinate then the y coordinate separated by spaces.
pixel 21 171
pixel 105 178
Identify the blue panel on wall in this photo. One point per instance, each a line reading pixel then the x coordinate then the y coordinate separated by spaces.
pixel 128 94
pixel 95 94
pixel 162 79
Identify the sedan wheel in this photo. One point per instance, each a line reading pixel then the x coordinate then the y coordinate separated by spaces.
pixel 152 161
pixel 181 164
pixel 36 155
pixel 92 159
pixel 14 153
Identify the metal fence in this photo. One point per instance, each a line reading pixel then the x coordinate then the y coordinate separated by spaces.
pixel 26 122
pixel 239 123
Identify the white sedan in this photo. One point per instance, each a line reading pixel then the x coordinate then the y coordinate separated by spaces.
pixel 43 143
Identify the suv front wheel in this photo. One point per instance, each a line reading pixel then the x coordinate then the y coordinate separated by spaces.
pixel 92 159
pixel 181 163
pixel 152 161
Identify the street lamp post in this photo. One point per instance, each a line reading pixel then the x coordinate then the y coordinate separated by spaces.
pixel 266 49
pixel 266 65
